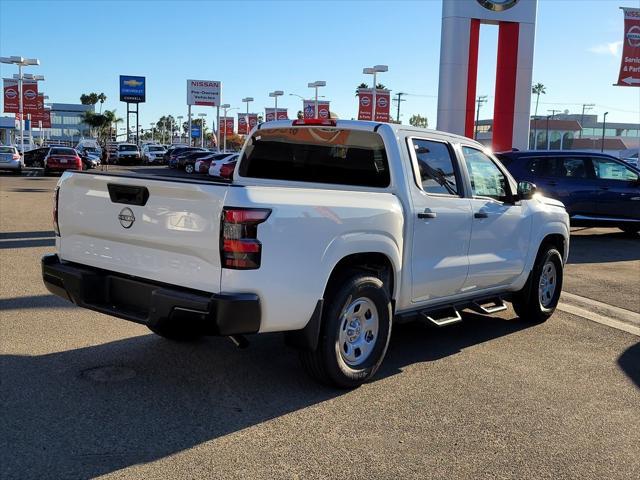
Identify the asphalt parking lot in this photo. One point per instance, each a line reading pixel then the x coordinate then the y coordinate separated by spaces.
pixel 84 395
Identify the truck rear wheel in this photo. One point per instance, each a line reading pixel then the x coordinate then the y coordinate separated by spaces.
pixel 539 298
pixel 354 335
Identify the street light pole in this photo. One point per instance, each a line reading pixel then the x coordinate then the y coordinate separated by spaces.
pixel 152 126
pixel 275 94
pixel 481 100
pixel 373 71
pixel 20 62
pixel 246 100
pixel 604 124
pixel 316 85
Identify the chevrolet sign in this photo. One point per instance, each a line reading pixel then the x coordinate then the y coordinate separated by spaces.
pixel 132 89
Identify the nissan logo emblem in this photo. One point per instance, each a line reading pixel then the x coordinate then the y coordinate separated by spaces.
pixel 497 5
pixel 30 94
pixel 10 93
pixel 382 102
pixel 364 101
pixel 126 217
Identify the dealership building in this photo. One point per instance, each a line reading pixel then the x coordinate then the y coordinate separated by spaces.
pixel 573 132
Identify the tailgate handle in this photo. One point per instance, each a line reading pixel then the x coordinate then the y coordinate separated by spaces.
pixel 128 194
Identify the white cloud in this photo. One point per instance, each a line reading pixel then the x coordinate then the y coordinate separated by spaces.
pixel 612 48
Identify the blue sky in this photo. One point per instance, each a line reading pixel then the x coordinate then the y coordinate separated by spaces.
pixel 257 47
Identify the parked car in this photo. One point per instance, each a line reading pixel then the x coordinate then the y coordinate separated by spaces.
pixel 89 161
pixel 215 168
pixel 59 159
pixel 176 152
pixel 335 229
pixel 203 164
pixel 187 160
pixel 226 171
pixel 127 154
pixel 632 160
pixel 153 154
pixel 598 190
pixel 35 158
pixel 10 159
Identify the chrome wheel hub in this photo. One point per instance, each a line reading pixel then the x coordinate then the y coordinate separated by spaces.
pixel 548 283
pixel 358 333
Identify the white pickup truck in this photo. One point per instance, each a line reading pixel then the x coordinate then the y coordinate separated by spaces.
pixel 330 231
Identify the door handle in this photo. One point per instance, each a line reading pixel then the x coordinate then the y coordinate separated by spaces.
pixel 481 215
pixel 427 214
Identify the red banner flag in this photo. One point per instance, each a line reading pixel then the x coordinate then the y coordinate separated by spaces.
pixel 269 114
pixel 226 125
pixel 11 96
pixel 383 105
pixel 46 118
pixel 630 65
pixel 253 120
pixel 365 101
pixel 36 117
pixel 243 123
pixel 30 96
pixel 309 109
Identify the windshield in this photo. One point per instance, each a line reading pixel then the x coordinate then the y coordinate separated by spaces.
pixel 6 150
pixel 127 148
pixel 156 149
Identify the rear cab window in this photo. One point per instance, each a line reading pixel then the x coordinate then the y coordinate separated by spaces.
pixel 317 155
pixel 63 151
pixel 7 150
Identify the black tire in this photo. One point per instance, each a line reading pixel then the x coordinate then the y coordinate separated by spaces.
pixel 630 229
pixel 38 164
pixel 189 168
pixel 527 302
pixel 176 332
pixel 326 364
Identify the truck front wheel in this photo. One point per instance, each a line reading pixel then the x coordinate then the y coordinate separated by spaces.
pixel 539 298
pixel 354 335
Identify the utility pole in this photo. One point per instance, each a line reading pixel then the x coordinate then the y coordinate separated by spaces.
pixel 553 112
pixel 481 100
pixel 585 108
pixel 398 100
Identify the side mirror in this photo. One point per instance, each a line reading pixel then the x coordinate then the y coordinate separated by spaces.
pixel 526 190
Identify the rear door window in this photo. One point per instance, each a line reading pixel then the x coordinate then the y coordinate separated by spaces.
pixel 318 155
pixel 436 167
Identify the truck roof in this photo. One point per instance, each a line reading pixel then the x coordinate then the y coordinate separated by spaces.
pixel 373 126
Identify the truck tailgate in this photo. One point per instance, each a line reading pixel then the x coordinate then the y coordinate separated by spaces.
pixel 159 230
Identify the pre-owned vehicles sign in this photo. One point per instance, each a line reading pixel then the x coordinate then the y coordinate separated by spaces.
pixel 132 89
pixel 203 92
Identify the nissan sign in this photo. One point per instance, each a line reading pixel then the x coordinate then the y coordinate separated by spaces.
pixel 203 92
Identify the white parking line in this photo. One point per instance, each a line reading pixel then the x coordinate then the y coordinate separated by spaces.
pixel 605 314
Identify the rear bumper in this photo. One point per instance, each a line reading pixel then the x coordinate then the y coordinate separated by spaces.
pixel 150 303
pixel 11 165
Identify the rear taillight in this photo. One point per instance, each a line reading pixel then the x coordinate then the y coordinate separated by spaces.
pixel 79 162
pixel 16 156
pixel 56 194
pixel 240 248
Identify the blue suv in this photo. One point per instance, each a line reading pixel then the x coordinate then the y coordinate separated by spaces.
pixel 598 190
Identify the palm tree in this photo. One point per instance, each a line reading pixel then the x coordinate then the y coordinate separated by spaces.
pixel 538 89
pixel 112 120
pixel 362 85
pixel 102 98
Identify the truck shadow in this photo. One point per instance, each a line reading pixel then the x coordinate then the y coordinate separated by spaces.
pixel 66 416
pixel 629 362
pixel 614 246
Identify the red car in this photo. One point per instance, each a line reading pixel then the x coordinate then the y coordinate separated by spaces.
pixel 60 159
pixel 226 171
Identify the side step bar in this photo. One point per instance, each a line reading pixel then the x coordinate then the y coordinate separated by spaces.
pixel 443 316
pixel 489 306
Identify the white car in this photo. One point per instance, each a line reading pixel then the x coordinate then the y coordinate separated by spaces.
pixel 153 153
pixel 330 232
pixel 216 165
